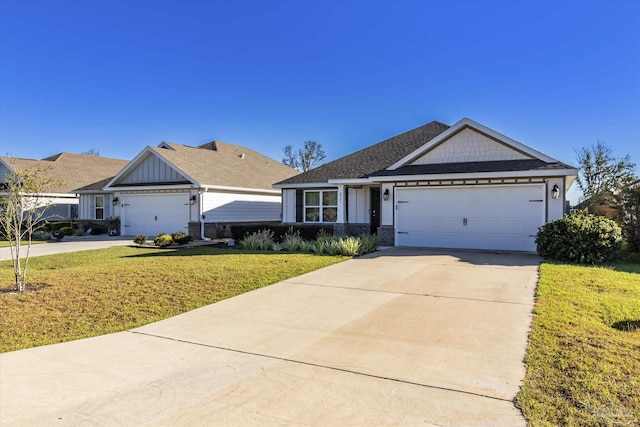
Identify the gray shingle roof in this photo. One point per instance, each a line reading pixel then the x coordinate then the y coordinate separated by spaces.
pixel 371 159
pixel 69 171
pixel 474 167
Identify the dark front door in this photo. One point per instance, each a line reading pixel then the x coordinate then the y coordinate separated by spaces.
pixel 375 210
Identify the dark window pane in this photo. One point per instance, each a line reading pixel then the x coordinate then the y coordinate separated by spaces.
pixel 330 198
pixel 312 215
pixel 329 215
pixel 312 198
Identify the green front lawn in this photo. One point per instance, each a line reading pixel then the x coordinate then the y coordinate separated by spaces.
pixel 583 361
pixel 97 292
pixel 5 244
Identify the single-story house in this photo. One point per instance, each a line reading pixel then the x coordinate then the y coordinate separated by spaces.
pixel 65 172
pixel 196 190
pixel 460 186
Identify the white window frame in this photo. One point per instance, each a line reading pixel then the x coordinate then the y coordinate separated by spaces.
pixel 96 207
pixel 320 206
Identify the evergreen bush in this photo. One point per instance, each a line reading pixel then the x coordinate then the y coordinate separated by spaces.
pixel 580 238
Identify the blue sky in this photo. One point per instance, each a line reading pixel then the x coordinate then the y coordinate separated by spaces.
pixel 119 75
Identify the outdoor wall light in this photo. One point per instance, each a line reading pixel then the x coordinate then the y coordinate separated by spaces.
pixel 192 200
pixel 385 195
pixel 115 201
pixel 555 192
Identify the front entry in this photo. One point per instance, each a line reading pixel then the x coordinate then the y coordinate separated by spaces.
pixel 374 212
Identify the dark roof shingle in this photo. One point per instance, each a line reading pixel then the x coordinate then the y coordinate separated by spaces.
pixel 373 158
pixel 473 167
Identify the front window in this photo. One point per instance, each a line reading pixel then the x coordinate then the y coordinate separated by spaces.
pixel 99 207
pixel 321 206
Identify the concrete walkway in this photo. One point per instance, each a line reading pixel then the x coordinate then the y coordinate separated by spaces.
pixel 70 244
pixel 400 337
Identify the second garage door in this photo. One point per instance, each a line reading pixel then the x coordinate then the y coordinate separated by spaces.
pixel 155 213
pixel 492 217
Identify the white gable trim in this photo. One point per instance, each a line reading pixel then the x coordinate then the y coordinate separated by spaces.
pixel 147 151
pixel 464 123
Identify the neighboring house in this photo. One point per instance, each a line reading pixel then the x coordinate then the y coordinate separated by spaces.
pixel 197 190
pixel 66 172
pixel 460 186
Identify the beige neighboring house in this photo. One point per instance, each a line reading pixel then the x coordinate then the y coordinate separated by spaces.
pixel 67 172
pixel 198 190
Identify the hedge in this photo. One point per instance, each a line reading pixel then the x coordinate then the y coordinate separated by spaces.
pixel 307 231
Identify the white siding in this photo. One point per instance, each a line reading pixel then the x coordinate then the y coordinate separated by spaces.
pixel 152 169
pixel 240 207
pixel 555 206
pixel 87 205
pixel 469 146
pixel 359 205
pixel 288 205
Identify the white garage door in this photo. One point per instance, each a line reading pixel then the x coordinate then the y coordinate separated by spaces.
pixel 493 217
pixel 155 213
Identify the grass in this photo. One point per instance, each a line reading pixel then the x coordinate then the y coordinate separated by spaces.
pixel 5 244
pixel 583 361
pixel 102 291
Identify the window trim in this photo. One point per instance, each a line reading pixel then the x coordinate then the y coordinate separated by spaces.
pixel 96 207
pixel 320 206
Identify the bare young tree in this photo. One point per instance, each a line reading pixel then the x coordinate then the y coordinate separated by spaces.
pixel 305 158
pixel 602 175
pixel 22 206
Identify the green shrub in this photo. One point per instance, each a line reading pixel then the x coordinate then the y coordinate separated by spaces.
pixel 277 247
pixel 181 238
pixel 95 228
pixel 306 231
pixel 140 239
pixel 292 243
pixel 57 225
pixel 67 231
pixel 580 238
pixel 41 235
pixel 260 240
pixel 370 243
pixel 162 240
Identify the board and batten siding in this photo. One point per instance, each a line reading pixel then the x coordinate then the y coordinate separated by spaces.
pixel 87 205
pixel 152 169
pixel 359 205
pixel 288 205
pixel 240 207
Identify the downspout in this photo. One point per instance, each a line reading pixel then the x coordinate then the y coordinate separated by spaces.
pixel 201 216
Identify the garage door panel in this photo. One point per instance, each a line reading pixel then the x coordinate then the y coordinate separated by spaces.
pixel 493 217
pixel 155 213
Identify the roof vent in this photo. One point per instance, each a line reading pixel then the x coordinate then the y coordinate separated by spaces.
pixel 241 155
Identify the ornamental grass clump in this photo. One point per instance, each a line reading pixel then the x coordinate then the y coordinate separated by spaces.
pixel 580 238
pixel 260 240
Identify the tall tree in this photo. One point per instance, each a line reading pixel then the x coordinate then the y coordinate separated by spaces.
pixel 21 209
pixel 602 175
pixel 303 159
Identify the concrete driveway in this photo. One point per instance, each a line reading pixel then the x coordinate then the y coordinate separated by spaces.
pixel 400 337
pixel 70 244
